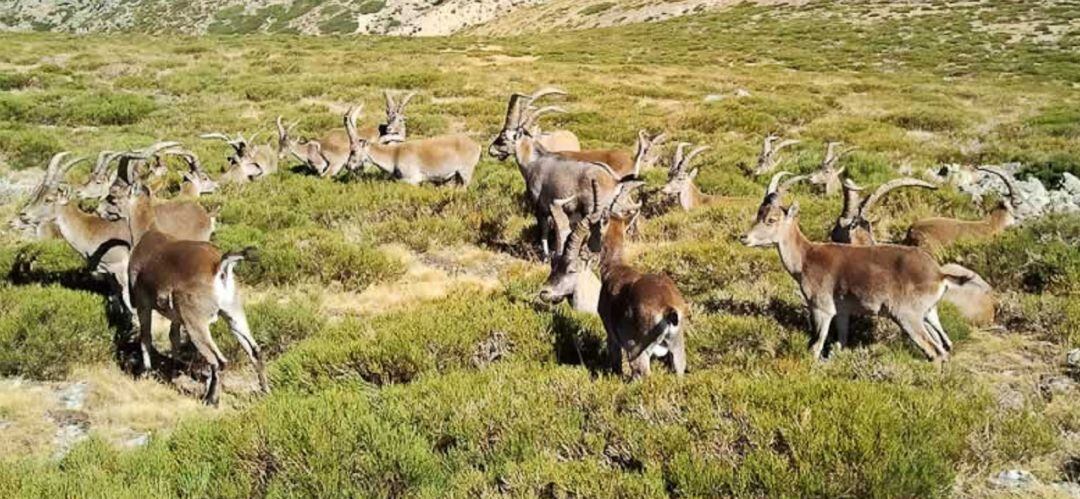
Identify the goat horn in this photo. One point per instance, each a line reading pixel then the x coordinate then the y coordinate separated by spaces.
pixel 677 161
pixel 514 111
pixel 390 105
pixel 888 187
pixel 102 164
pixel 54 166
pixel 543 92
pixel 219 135
pixel 774 183
pixel 700 149
pixel 1009 184
pixel 790 182
pixel 851 198
pixel 405 102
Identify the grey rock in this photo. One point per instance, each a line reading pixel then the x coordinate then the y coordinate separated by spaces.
pixel 742 92
pixel 1069 489
pixel 74 395
pixel 1072 359
pixel 714 98
pixel 139 440
pixel 1014 479
pixel 1071 184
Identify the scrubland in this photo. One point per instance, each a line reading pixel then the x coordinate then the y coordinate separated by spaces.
pixel 409 354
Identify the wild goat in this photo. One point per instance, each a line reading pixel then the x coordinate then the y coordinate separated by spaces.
pixel 644 314
pixel 937 233
pixel 853 225
pixel 190 283
pixel 251 161
pixel 829 175
pixel 329 154
pixel 551 176
pixel 517 110
pixel 974 299
pixel 570 276
pixel 129 164
pixel 680 184
pixel 439 159
pixel 840 280
pixel 769 158
pixel 104 243
pixel 620 162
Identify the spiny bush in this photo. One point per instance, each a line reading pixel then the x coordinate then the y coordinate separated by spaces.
pixel 532 430
pixel 51 261
pixel 83 108
pixel 44 331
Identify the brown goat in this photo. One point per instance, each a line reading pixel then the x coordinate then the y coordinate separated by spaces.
pixel 936 233
pixel 644 315
pixel 190 283
pixel 840 280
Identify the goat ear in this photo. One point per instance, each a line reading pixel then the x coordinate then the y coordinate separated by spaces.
pixel 693 173
pixel 792 211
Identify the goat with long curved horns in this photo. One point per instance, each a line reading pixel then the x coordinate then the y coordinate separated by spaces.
pixel 521 115
pixel 838 280
pixel 644 315
pixel 853 226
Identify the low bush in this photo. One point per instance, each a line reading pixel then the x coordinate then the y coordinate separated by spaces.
pixel 276 322
pixel 27 147
pixel 1042 256
pixel 450 334
pixel 309 255
pixel 45 331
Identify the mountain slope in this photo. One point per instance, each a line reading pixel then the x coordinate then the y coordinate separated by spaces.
pixel 327 17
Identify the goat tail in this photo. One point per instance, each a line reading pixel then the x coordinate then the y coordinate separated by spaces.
pixel 230 259
pixel 957 275
pixel 672 317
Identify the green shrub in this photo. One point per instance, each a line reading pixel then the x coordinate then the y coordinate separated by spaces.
pixel 15 81
pixel 371 6
pixel 44 331
pixel 83 108
pixel 51 261
pixel 304 255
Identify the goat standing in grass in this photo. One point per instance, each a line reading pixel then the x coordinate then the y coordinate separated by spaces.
pixel 328 155
pixel 644 315
pixel 840 280
pixel 680 184
pixel 936 233
pixel 190 283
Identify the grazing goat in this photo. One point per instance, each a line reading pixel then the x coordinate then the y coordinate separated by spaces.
pixel 936 233
pixel 570 276
pixel 644 315
pixel 839 280
pixel 329 155
pixel 769 157
pixel 439 159
pixel 552 176
pixel 680 184
pixel 517 110
pixel 829 175
pixel 190 283
pixel 853 225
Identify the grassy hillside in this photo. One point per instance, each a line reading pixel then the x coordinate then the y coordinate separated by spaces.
pixel 410 356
